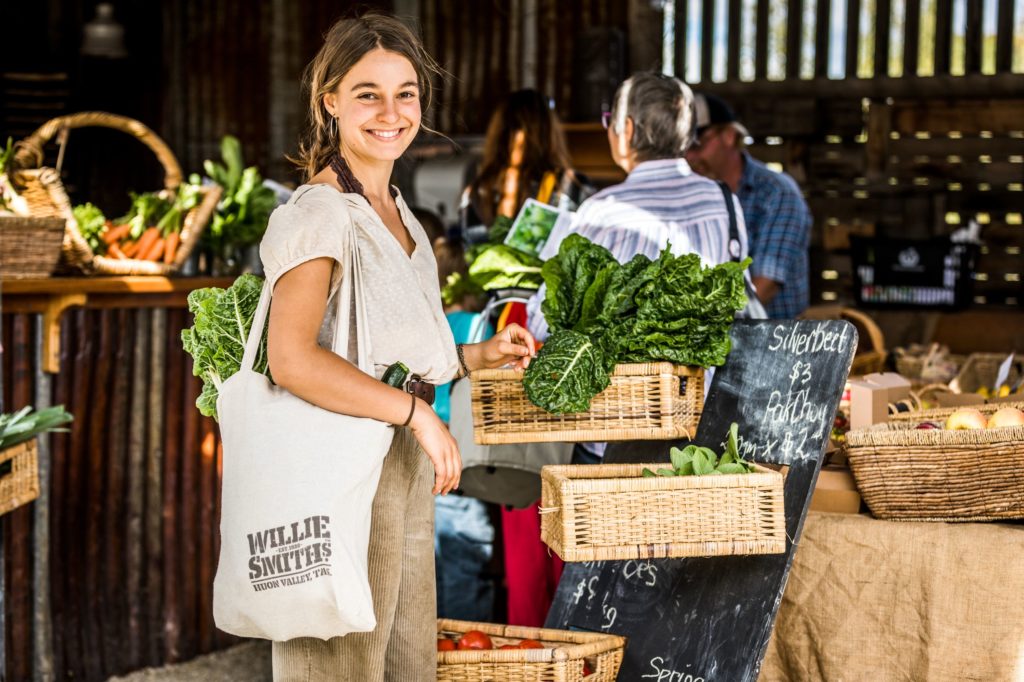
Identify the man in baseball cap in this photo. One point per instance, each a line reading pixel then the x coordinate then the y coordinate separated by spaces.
pixel 778 220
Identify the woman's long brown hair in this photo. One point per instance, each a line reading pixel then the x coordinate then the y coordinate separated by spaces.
pixel 344 45
pixel 544 150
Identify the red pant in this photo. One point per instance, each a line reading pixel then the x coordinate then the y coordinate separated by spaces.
pixel 531 569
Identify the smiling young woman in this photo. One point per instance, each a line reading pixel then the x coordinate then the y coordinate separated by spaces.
pixel 368 87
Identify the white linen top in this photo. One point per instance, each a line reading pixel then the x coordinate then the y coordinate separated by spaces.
pixel 402 294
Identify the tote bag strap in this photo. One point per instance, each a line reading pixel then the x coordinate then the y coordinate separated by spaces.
pixel 351 289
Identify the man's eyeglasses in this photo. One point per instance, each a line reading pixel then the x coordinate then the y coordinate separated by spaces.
pixel 606 119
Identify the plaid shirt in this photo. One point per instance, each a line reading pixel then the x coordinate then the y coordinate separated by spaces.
pixel 779 225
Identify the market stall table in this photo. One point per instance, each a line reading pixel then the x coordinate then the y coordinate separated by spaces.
pixel 871 599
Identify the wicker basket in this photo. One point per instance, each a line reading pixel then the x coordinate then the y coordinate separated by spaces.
pixel 29 247
pixel 560 661
pixel 19 485
pixel 45 194
pixel 981 369
pixel 610 512
pixel 646 401
pixel 909 474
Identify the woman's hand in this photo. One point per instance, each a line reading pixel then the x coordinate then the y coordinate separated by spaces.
pixel 512 345
pixel 440 447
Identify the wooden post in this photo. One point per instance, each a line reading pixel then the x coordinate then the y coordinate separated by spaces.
pixel 136 493
pixel 822 38
pixel 911 38
pixel 42 618
pixel 55 307
pixel 154 480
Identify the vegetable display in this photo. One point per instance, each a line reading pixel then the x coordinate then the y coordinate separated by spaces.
pixel 26 424
pixel 150 230
pixel 245 205
pixel 602 313
pixel 216 340
pixel 694 460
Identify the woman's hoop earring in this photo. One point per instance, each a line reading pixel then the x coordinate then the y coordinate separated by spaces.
pixel 334 127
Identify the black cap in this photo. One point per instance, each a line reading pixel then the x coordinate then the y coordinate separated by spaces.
pixel 712 110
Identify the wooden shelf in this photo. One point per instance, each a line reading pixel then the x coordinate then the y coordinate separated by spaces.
pixel 51 296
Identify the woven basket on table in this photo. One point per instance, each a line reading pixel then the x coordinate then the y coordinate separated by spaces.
pixel 46 196
pixel 611 512
pixel 21 484
pixel 560 661
pixel 645 401
pixel 29 246
pixel 910 474
pixel 981 369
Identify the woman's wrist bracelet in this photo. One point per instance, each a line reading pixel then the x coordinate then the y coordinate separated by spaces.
pixel 462 359
pixel 408 420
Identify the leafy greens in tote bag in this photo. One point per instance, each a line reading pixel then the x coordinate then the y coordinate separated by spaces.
pixel 298 486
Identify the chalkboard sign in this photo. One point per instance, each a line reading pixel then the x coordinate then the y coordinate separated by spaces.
pixel 703 619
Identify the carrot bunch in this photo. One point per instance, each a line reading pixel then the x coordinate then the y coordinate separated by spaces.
pixel 151 230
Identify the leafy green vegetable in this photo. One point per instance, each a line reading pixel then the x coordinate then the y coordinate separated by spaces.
pixel 6 182
pixel 91 223
pixel 567 373
pixel 493 267
pixel 669 309
pixel 694 460
pixel 25 424
pixel 245 206
pixel 146 210
pixel 216 341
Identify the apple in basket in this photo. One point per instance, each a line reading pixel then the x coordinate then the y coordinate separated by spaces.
pixel 1007 416
pixel 928 426
pixel 966 418
pixel 474 639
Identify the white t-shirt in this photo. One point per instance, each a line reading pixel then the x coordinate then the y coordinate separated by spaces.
pixel 402 295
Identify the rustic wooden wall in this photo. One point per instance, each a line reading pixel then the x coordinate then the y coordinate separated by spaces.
pixel 133 499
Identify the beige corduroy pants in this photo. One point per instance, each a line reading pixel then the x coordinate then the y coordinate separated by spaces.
pixel 403 646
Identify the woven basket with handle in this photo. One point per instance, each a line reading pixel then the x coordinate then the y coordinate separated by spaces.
pixel 19 482
pixel 562 659
pixel 45 194
pixel 910 474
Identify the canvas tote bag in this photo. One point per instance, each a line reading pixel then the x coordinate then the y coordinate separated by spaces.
pixel 298 486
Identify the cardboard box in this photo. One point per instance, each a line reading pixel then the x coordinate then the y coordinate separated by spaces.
pixel 836 492
pixel 870 396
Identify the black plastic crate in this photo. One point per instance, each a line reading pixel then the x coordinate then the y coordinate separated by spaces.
pixel 908 273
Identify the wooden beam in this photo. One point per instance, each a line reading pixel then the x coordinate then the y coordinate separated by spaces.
pixel 735 34
pixel 761 41
pixel 852 37
pixel 794 37
pixel 943 35
pixel 911 37
pixel 1004 37
pixel 707 40
pixel 1000 85
pixel 822 38
pixel 682 14
pixel 972 37
pixel 883 17
pixel 55 307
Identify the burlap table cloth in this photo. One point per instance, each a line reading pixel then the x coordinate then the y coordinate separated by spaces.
pixel 880 600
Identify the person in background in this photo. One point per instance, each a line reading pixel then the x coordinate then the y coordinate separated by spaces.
pixel 463 532
pixel 778 220
pixel 661 201
pixel 525 155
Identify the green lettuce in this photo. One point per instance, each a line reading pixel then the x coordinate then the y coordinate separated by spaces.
pixel 668 309
pixel 216 340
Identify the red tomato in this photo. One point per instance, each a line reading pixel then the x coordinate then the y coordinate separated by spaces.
pixel 508 646
pixel 445 644
pixel 586 669
pixel 530 644
pixel 474 639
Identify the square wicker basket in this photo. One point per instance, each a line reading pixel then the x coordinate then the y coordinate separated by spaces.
pixel 910 474
pixel 19 484
pixel 611 512
pixel 561 659
pixel 645 401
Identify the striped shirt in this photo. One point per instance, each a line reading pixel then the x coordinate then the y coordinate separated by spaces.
pixel 660 202
pixel 780 235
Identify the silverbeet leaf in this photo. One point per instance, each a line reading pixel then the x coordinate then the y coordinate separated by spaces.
pixel 567 373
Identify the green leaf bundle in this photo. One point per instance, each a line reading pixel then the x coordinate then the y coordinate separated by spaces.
pixel 25 424
pixel 694 460
pixel 668 309
pixel 216 340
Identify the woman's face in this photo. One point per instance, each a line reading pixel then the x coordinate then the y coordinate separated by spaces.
pixel 377 105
